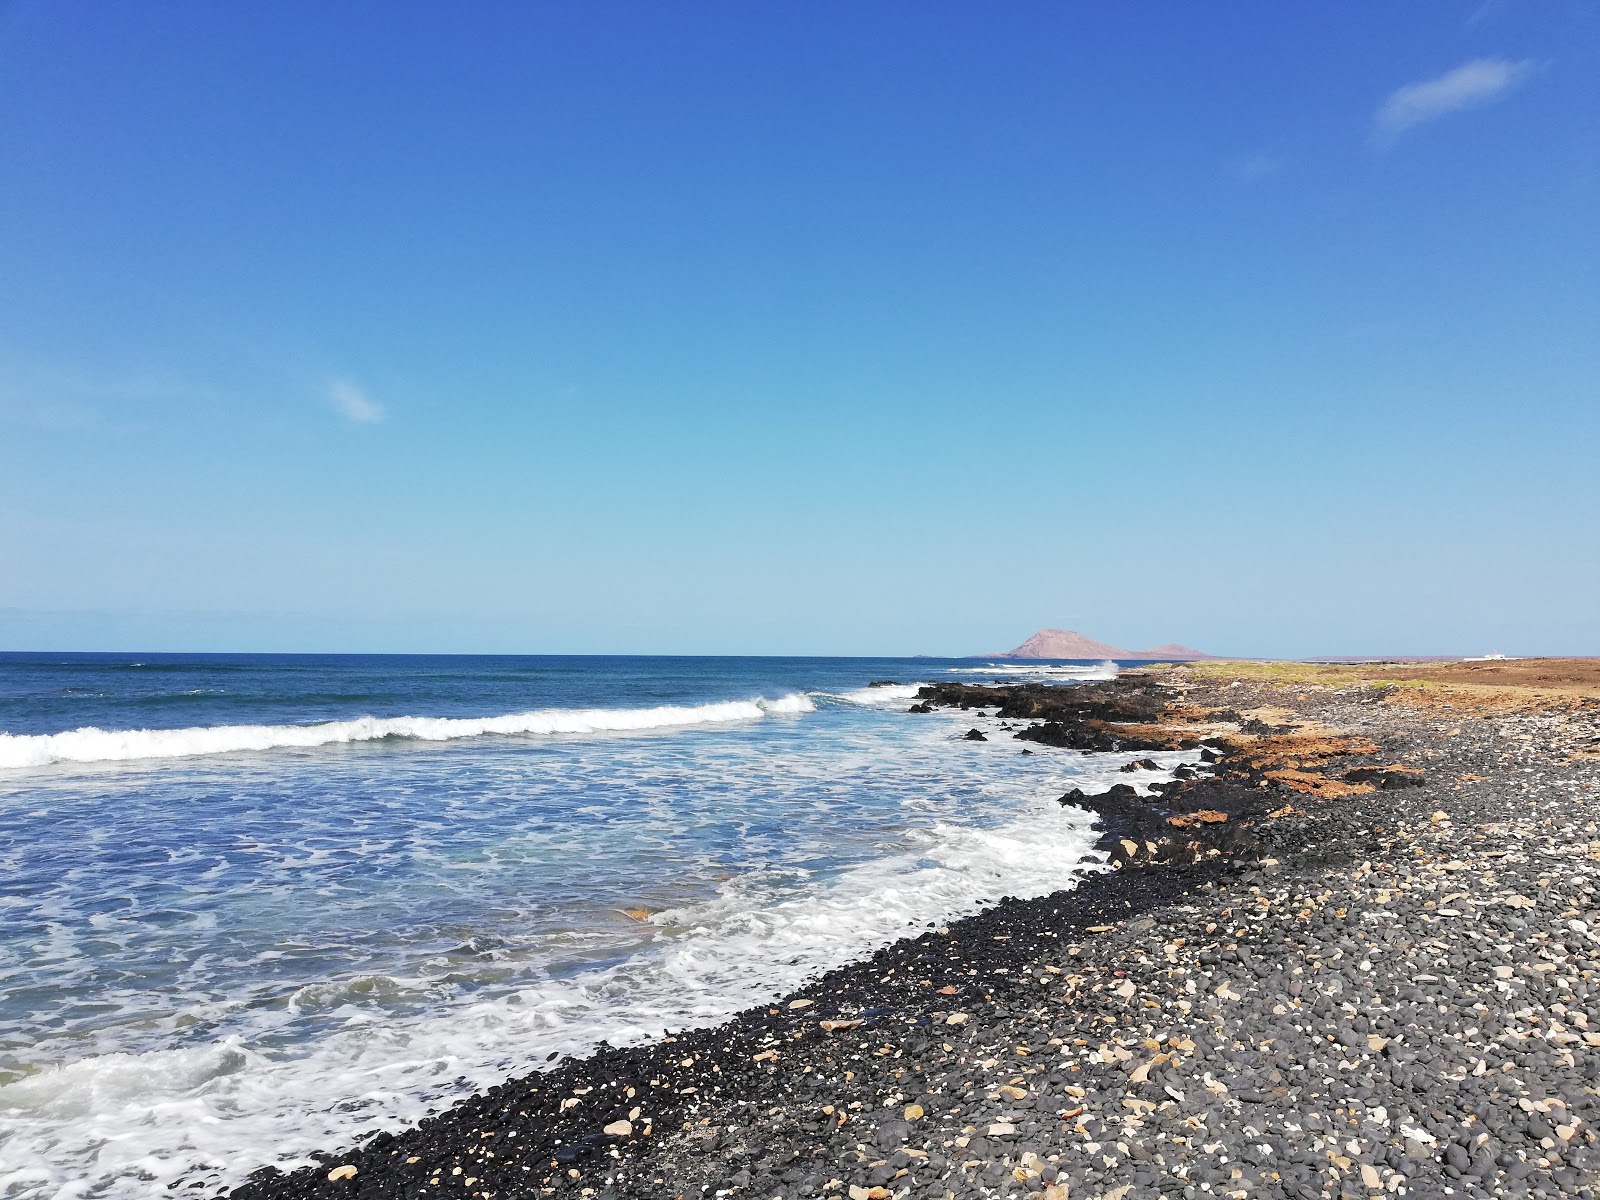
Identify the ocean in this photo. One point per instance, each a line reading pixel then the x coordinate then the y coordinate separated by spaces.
pixel 258 905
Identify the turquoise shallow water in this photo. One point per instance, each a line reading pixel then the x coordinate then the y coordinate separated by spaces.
pixel 256 905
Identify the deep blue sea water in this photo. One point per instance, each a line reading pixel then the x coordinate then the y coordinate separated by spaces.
pixel 239 893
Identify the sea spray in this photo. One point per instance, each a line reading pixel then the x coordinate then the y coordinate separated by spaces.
pixel 209 960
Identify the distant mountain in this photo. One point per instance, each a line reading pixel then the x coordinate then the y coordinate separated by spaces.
pixel 1172 652
pixel 1064 643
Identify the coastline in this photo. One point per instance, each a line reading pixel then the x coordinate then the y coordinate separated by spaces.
pixel 1244 1006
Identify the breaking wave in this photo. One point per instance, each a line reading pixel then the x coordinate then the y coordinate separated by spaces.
pixel 882 696
pixel 1099 671
pixel 140 1124
pixel 91 745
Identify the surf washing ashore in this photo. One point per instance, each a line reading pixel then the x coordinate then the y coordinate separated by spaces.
pixel 1349 955
pixel 1210 930
pixel 257 905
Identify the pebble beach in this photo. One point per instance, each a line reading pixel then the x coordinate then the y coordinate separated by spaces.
pixel 1352 949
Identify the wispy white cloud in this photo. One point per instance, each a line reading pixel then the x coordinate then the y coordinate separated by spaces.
pixel 1253 168
pixel 62 398
pixel 354 403
pixel 1488 10
pixel 1471 85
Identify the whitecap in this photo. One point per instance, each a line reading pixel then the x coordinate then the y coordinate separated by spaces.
pixel 91 745
pixel 1043 671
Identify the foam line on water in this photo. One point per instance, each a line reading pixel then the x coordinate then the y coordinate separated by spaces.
pixel 881 696
pixel 125 1125
pixel 1100 671
pixel 91 745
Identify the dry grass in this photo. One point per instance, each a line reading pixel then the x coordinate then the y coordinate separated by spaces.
pixel 1206 816
pixel 1154 737
pixel 1319 786
pixel 1297 750
pixel 1532 683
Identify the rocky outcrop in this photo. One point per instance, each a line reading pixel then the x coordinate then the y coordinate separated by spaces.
pixel 1120 716
pixel 1266 764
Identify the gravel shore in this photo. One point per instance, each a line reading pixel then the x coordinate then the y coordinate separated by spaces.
pixel 1355 952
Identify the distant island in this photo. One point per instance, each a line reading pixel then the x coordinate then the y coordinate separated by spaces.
pixel 1064 643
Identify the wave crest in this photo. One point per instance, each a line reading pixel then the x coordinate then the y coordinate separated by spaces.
pixel 1104 670
pixel 92 745
pixel 884 695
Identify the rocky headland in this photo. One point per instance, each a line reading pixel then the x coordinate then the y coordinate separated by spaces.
pixel 1351 949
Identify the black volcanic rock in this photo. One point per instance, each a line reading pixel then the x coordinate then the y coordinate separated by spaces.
pixel 1097 716
pixel 1261 940
pixel 1387 777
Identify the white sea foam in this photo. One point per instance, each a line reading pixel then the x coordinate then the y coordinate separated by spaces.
pixel 120 1125
pixel 881 696
pixel 91 745
pixel 124 1125
pixel 790 705
pixel 1100 671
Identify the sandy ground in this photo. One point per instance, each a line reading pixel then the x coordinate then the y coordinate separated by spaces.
pixel 1528 683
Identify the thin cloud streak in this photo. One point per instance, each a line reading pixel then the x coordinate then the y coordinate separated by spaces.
pixel 1253 168
pixel 1488 10
pixel 1471 85
pixel 59 398
pixel 355 405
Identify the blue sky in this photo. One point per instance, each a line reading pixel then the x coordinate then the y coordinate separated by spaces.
pixel 800 328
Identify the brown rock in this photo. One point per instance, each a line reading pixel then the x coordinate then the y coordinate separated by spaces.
pixel 1206 816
